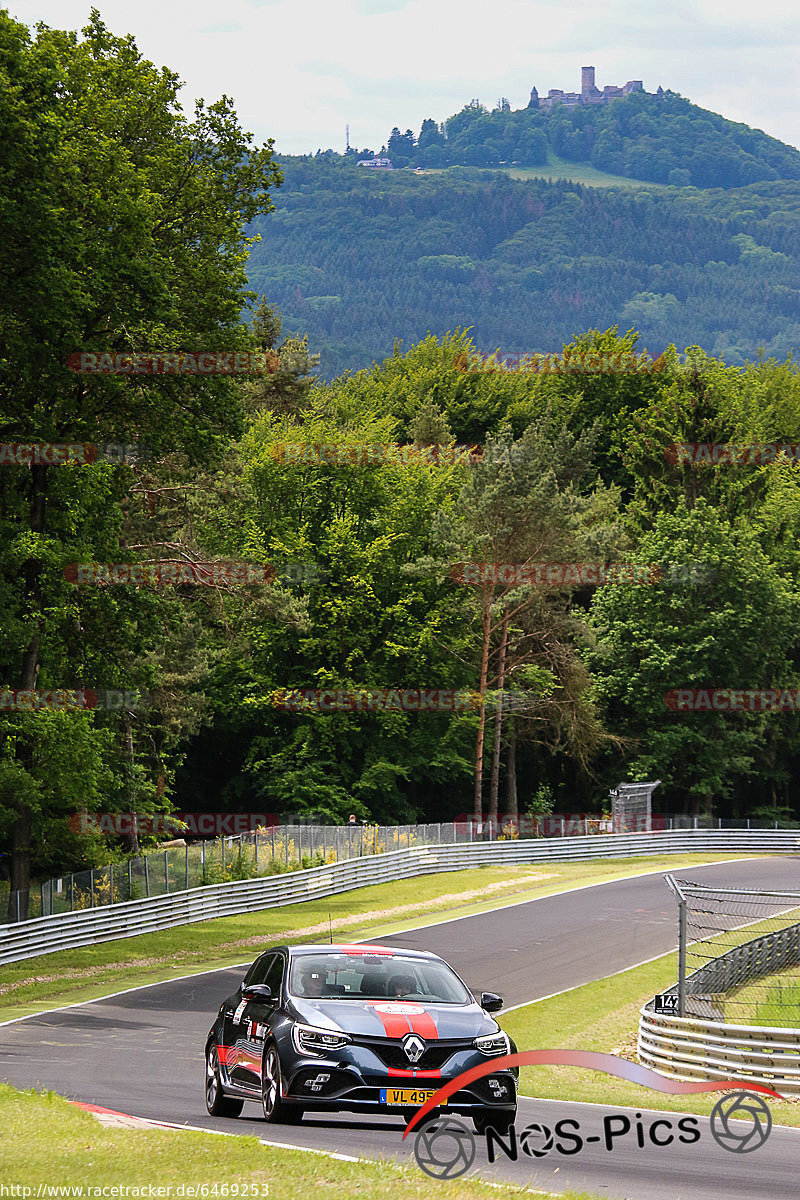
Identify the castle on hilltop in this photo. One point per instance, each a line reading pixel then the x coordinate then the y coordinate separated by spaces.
pixel 589 93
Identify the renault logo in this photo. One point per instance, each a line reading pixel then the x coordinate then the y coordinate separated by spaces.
pixel 414 1048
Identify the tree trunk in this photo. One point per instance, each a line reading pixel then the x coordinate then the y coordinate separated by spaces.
pixel 21 829
pixel 512 805
pixel 487 633
pixel 494 784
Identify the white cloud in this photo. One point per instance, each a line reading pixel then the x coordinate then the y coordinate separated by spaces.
pixel 298 70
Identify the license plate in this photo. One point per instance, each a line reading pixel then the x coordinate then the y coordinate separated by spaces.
pixel 407 1096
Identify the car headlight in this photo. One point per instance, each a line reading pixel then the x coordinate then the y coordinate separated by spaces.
pixel 308 1040
pixel 493 1043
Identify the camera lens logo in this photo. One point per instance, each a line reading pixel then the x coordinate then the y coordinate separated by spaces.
pixel 444 1148
pixel 741 1106
pixel 536 1140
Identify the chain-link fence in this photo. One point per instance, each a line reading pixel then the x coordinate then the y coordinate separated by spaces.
pixel 279 848
pixel 265 851
pixel 738 954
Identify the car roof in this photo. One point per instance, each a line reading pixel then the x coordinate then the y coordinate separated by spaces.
pixel 360 950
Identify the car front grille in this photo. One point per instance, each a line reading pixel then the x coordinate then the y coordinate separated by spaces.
pixel 393 1055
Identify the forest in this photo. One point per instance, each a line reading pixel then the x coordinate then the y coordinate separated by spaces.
pixel 358 258
pixel 282 570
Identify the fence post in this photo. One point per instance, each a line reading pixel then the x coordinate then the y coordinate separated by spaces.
pixel 324 843
pixel 17 895
pixel 146 874
pixel 273 843
pixel 166 871
pixel 440 833
pixel 130 878
pixel 111 884
pixel 223 851
pixel 203 860
pixel 91 888
pixel 71 892
pixel 682 957
pixel 255 844
pixel 186 877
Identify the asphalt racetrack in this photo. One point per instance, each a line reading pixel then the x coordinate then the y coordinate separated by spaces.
pixel 141 1052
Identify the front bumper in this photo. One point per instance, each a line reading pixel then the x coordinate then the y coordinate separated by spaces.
pixel 353 1082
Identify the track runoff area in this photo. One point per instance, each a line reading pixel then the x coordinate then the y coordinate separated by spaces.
pixel 140 1052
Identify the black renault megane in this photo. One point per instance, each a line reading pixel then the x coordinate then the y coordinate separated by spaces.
pixel 359 1028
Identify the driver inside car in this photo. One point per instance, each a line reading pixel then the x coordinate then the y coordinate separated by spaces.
pixel 312 982
pixel 401 985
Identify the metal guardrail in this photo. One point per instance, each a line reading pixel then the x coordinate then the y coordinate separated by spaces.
pixel 692 1049
pixel 46 935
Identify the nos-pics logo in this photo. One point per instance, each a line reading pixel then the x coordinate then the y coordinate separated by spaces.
pixel 445 1148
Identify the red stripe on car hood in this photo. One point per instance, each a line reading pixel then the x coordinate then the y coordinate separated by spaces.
pixel 399 1018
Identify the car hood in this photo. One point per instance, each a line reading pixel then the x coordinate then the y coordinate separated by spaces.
pixel 395 1018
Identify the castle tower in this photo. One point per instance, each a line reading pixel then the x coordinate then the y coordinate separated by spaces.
pixel 534 100
pixel 587 80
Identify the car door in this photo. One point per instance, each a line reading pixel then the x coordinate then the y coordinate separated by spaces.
pixel 244 1054
pixel 256 1019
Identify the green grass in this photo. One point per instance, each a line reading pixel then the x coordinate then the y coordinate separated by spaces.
pixel 604 1016
pixel 72 976
pixel 562 168
pixel 774 1000
pixel 45 1140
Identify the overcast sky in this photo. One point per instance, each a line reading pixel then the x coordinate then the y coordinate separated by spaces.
pixel 299 70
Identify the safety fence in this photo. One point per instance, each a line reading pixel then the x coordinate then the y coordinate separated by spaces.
pixel 60 931
pixel 735 1011
pixel 276 849
pixel 693 1049
pixel 738 954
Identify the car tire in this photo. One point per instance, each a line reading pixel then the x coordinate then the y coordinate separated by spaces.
pixel 276 1110
pixel 501 1122
pixel 217 1103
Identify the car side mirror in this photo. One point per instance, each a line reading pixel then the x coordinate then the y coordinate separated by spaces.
pixel 260 992
pixel 491 1002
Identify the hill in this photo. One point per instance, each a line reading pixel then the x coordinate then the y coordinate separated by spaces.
pixel 662 138
pixel 358 258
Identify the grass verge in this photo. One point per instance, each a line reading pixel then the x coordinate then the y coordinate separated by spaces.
pixel 604 1016
pixel 44 1140
pixel 72 976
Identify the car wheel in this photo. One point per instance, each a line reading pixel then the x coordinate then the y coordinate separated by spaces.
pixel 217 1103
pixel 501 1122
pixel 276 1110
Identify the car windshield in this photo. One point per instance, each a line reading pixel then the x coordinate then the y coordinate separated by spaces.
pixel 375 977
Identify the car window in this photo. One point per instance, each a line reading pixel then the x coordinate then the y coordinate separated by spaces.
pixel 373 977
pixel 274 975
pixel 259 969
